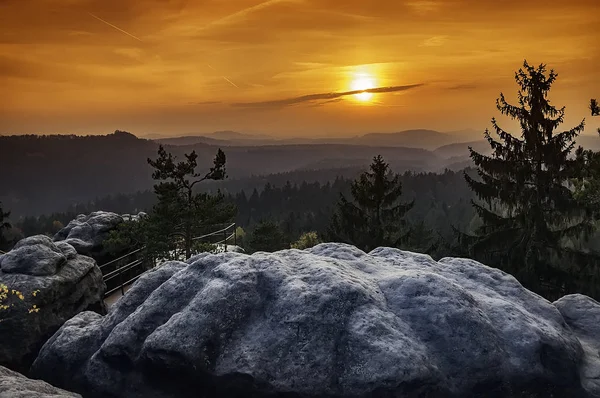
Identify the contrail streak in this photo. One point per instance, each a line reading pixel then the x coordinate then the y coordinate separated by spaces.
pixel 230 82
pixel 116 27
pixel 224 78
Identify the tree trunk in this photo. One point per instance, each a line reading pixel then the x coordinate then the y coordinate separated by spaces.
pixel 188 226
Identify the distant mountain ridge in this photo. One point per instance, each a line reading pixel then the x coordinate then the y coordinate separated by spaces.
pixel 192 140
pixel 417 138
pixel 421 138
pixel 234 135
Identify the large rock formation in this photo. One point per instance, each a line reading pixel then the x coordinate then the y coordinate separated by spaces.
pixel 329 321
pixel 582 314
pixel 53 278
pixel 87 233
pixel 15 385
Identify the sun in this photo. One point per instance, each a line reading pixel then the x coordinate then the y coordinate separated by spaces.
pixel 363 82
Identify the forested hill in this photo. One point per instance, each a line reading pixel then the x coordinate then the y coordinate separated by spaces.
pixel 45 173
pixel 48 173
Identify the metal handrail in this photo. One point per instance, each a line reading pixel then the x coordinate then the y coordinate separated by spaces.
pixel 111 291
pixel 225 240
pixel 122 257
pixel 118 272
pixel 214 233
pixel 193 239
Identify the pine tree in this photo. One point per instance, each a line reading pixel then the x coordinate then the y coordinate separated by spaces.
pixel 527 207
pixel 375 217
pixel 595 109
pixel 180 213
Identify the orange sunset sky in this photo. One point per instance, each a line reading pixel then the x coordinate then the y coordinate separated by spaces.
pixel 285 67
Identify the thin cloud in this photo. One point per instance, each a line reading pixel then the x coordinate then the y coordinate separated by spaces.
pixel 435 41
pixel 323 96
pixel 322 103
pixel 238 15
pixel 424 6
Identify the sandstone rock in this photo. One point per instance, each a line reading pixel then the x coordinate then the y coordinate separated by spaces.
pixel 86 233
pixel 15 385
pixel 36 239
pixel 69 284
pixel 326 321
pixel 582 314
pixel 35 255
pixel 67 249
pixel 36 259
pixel 80 246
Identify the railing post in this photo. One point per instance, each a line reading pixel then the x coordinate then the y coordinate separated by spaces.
pixel 234 235
pixel 121 280
pixel 225 240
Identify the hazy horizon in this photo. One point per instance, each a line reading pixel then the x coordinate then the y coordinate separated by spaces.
pixel 469 134
pixel 249 133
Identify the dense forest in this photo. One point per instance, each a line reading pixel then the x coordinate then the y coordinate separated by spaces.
pixel 441 200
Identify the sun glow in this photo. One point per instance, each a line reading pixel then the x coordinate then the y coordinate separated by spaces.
pixel 363 81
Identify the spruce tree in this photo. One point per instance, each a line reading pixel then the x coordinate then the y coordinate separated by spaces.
pixel 375 217
pixel 526 203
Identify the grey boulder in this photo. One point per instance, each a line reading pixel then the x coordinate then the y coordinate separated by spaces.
pixel 327 321
pixel 15 385
pixel 67 250
pixel 35 255
pixel 582 314
pixel 86 233
pixel 69 285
